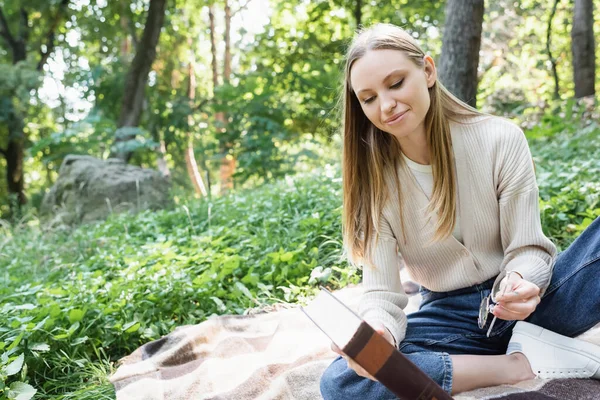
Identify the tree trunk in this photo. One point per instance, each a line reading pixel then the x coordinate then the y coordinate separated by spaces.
pixel 135 84
pixel 213 47
pixel 549 51
pixel 460 48
pixel 16 135
pixel 14 158
pixel 358 13
pixel 14 153
pixel 227 168
pixel 227 37
pixel 190 158
pixel 583 48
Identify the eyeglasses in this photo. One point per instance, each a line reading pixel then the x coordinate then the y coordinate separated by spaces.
pixel 487 306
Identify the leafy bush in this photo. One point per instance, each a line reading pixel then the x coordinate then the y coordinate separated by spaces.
pixel 566 149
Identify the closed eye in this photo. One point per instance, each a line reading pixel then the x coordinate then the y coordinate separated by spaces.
pixel 397 84
pixel 394 86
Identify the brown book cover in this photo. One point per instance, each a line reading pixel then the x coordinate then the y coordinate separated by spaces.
pixel 370 350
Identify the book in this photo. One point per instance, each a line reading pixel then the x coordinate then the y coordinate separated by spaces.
pixel 359 341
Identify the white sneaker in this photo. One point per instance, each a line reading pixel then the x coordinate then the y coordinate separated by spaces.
pixel 554 356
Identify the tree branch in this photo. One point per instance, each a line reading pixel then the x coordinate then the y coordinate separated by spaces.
pixel 200 105
pixel 241 8
pixel 50 35
pixel 5 31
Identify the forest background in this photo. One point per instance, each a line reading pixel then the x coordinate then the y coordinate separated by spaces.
pixel 236 103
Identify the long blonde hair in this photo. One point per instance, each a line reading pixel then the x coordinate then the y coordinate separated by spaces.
pixel 370 156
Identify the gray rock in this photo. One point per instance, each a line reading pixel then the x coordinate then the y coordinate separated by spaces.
pixel 90 189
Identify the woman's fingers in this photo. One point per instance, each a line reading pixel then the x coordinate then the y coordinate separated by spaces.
pixel 517 299
pixel 517 290
pixel 380 329
pixel 521 292
pixel 516 310
pixel 336 349
pixel 352 364
pixel 358 369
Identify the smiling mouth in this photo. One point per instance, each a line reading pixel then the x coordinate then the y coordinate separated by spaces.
pixel 395 117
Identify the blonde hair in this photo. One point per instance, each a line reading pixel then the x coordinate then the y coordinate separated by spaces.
pixel 371 157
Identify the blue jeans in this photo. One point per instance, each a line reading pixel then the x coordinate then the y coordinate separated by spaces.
pixel 446 323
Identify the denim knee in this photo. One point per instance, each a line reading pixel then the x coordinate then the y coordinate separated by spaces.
pixel 341 382
pixel 330 384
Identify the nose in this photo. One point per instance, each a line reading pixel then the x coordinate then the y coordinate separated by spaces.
pixel 387 105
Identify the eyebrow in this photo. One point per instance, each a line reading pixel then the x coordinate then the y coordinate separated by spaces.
pixel 384 79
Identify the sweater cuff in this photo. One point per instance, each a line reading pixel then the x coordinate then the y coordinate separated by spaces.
pixel 531 268
pixel 396 327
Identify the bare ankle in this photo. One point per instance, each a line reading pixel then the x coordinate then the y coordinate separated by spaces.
pixel 522 371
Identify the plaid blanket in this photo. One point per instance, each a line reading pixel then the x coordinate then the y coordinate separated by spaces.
pixel 275 355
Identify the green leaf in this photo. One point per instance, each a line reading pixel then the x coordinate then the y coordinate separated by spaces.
pixel 131 327
pixel 242 288
pixel 79 340
pixel 25 307
pixel 251 279
pixel 40 324
pixel 220 305
pixel 73 328
pixel 15 366
pixel 319 274
pixel 287 257
pixel 203 279
pixel 61 336
pixel 21 391
pixel 16 342
pixel 41 347
pixel 76 315
pixel 58 292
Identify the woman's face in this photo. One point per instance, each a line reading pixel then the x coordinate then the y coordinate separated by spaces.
pixel 392 90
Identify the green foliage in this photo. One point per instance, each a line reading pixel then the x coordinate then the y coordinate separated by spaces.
pixel 89 136
pixel 566 149
pixel 289 79
pixel 75 301
pixel 281 101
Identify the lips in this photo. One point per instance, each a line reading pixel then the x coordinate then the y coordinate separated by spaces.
pixel 396 116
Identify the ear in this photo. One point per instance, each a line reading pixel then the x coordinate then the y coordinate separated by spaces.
pixel 430 70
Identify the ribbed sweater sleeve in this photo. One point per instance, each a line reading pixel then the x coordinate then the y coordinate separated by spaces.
pixel 526 248
pixel 384 299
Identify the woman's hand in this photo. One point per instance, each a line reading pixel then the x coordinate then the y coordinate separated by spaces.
pixel 518 298
pixel 379 328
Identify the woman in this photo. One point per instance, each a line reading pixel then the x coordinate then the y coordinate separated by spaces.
pixel 453 192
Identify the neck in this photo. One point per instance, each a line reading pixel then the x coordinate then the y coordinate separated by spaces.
pixel 414 146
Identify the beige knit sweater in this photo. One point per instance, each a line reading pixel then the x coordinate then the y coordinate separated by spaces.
pixel 500 222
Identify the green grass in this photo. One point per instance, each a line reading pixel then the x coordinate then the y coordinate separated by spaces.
pixel 75 301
